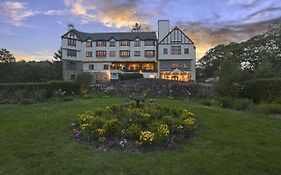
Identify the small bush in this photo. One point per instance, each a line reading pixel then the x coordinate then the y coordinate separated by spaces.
pixel 234 103
pixel 129 76
pixel 266 108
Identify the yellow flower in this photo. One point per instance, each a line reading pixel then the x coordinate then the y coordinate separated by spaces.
pixel 84 126
pixel 163 130
pixel 147 136
pixel 100 131
pixel 189 121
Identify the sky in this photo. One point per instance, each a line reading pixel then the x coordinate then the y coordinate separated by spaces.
pixel 31 29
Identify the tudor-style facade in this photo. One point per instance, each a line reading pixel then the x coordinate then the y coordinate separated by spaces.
pixel 105 55
pixel 176 54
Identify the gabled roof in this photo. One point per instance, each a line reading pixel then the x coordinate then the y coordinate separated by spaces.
pixel 176 28
pixel 116 35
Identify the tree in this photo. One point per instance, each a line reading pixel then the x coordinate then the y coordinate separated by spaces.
pixel 136 28
pixel 6 56
pixel 57 55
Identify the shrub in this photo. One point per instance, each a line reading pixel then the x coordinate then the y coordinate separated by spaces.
pixel 133 131
pixel 262 90
pixel 111 126
pixel 145 127
pixel 84 80
pixel 234 103
pixel 272 108
pixel 168 120
pixel 129 76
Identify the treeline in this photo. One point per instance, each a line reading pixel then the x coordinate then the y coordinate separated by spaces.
pixel 12 72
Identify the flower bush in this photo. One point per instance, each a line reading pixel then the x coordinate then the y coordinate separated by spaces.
pixel 128 128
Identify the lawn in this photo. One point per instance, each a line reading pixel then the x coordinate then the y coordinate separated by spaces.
pixel 34 140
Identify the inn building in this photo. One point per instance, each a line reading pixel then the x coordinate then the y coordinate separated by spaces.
pixel 166 54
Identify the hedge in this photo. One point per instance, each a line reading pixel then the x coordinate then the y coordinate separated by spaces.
pixel 262 90
pixel 68 86
pixel 129 76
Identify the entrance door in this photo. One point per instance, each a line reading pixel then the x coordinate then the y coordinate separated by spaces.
pixel 175 78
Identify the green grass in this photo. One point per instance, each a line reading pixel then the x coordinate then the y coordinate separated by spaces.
pixel 34 140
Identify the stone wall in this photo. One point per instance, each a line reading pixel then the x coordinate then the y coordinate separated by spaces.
pixel 153 88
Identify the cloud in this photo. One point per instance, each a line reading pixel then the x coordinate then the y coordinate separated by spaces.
pixel 206 37
pixel 111 13
pixel 243 2
pixel 55 12
pixel 264 14
pixel 16 12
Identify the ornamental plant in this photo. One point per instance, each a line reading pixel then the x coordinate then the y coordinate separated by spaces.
pixel 131 128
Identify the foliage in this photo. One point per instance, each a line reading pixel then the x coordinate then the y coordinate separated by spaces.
pixel 129 76
pixel 37 92
pixel 58 55
pixel 136 28
pixel 272 108
pixel 235 63
pixel 234 103
pixel 145 127
pixel 6 56
pixel 30 71
pixel 84 80
pixel 262 90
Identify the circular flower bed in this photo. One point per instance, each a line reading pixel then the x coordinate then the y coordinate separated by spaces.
pixel 135 129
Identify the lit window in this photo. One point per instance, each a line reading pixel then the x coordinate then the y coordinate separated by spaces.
pixel 137 53
pixel 91 66
pixel 101 53
pixel 89 54
pixel 165 51
pixel 175 50
pixel 112 53
pixel 137 43
pixel 149 43
pixel 112 43
pixel 148 66
pixel 89 44
pixel 150 53
pixel 71 42
pixel 125 43
pixel 186 51
pixel 124 53
pixel 134 67
pixel 101 43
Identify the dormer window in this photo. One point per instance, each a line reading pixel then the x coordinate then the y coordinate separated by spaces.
pixel 149 43
pixel 89 44
pixel 101 43
pixel 137 43
pixel 112 43
pixel 125 43
pixel 71 42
